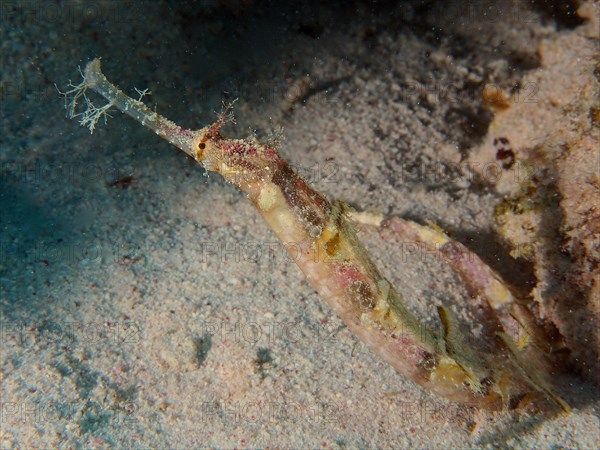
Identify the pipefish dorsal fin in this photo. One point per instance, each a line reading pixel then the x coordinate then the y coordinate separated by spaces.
pixel 454 347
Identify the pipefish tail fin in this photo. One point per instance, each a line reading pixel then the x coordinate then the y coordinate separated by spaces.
pixel 531 374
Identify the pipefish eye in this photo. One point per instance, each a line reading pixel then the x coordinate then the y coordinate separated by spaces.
pixel 201 145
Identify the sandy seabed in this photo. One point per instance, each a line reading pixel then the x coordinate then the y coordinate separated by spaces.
pixel 146 304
